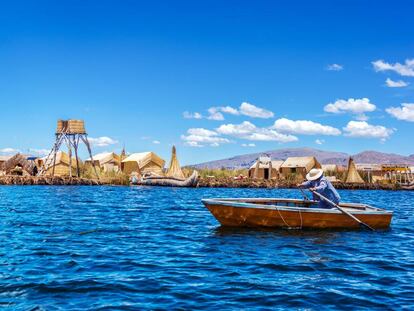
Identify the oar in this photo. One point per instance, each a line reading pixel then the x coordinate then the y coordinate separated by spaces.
pixel 304 194
pixel 343 211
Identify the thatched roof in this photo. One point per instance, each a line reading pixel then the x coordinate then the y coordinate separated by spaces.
pixel 368 167
pixel 305 162
pixel 71 126
pixel 18 160
pixel 143 158
pixel 276 164
pixel 174 169
pixel 104 158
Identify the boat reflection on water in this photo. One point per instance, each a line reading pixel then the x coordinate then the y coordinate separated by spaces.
pixel 319 236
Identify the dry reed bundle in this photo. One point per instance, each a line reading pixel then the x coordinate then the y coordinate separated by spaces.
pixel 71 127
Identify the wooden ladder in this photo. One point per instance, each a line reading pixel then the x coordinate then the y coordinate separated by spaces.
pixel 51 157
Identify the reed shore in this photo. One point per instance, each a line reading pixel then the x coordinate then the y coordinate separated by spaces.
pixel 260 183
pixel 224 182
pixel 58 181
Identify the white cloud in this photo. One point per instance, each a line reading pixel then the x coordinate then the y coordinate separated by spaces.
pixel 304 127
pixel 253 111
pixel 201 132
pixel 199 137
pixel 363 129
pixel 156 142
pixel 251 145
pixel 399 83
pixel 406 69
pixel 238 130
pixel 189 115
pixel 193 144
pixel 319 141
pixel 39 152
pixel 249 131
pixel 335 67
pixel 230 110
pixel 245 108
pixel 405 112
pixel 9 150
pixel 351 105
pixel 215 114
pixel 102 141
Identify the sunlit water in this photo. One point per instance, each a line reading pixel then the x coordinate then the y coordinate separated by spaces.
pixel 106 248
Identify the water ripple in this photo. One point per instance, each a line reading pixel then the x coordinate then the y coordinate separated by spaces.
pixel 106 248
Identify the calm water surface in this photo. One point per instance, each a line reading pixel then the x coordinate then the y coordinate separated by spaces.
pixel 113 248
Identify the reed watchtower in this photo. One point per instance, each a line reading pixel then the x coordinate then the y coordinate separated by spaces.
pixel 70 132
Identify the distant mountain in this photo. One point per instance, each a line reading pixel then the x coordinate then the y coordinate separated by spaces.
pixel 382 158
pixel 325 157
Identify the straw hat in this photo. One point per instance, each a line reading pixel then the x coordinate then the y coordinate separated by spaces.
pixel 314 174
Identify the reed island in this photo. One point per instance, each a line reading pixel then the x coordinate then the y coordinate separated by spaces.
pixel 63 166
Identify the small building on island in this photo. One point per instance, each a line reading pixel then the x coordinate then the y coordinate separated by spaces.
pixel 61 164
pixel 298 166
pixel 143 163
pixel 372 171
pixel 106 161
pixel 265 168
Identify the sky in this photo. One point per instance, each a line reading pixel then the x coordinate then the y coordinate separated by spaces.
pixel 214 78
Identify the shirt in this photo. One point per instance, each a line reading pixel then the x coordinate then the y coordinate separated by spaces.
pixel 323 187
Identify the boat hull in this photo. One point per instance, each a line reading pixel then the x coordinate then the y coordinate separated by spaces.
pixel 242 214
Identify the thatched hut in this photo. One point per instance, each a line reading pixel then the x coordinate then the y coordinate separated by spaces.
pixel 265 168
pixel 143 163
pixel 352 175
pixel 61 165
pixel 19 165
pixel 106 161
pixel 298 166
pixel 174 170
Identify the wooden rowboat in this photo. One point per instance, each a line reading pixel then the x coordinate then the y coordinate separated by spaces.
pixel 291 213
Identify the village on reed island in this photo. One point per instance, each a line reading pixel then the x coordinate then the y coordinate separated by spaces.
pixel 63 166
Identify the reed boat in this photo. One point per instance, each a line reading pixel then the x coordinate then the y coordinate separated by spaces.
pixel 408 186
pixel 293 213
pixel 191 181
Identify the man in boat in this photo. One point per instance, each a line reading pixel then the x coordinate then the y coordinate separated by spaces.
pixel 319 183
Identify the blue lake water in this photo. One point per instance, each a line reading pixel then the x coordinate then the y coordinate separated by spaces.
pixel 129 248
